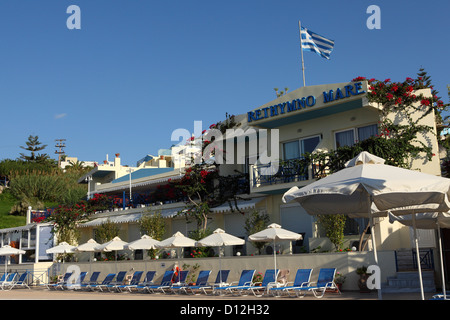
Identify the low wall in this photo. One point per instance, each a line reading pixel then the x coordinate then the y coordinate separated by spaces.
pixel 346 263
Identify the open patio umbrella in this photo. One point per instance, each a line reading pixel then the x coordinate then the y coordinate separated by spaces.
pixel 273 233
pixel 8 251
pixel 61 248
pixel 430 220
pixel 115 245
pixel 89 246
pixel 178 240
pixel 219 238
pixel 367 187
pixel 144 243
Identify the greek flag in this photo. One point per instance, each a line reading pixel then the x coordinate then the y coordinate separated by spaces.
pixel 314 42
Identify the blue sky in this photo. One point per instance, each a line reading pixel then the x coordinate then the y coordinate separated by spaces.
pixel 137 70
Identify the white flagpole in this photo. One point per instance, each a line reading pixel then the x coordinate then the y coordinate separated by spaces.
pixel 301 49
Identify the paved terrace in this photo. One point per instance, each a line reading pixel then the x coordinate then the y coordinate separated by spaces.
pixel 40 293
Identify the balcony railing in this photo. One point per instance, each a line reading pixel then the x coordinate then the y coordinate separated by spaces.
pixel 285 171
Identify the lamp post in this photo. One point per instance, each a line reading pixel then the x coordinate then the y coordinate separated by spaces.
pixel 89 179
pixel 131 198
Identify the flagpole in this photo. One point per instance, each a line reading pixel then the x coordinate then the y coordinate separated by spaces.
pixel 301 50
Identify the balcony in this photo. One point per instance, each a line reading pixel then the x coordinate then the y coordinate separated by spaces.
pixel 282 175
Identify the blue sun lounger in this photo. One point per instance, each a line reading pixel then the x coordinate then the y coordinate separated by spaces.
pixel 137 275
pixel 21 282
pixel 179 282
pixel 148 281
pixel 300 284
pixel 244 281
pixel 202 280
pixel 108 279
pixel 92 280
pixel 325 281
pixel 165 283
pixel 269 280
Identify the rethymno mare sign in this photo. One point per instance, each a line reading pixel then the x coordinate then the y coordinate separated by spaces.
pixel 305 102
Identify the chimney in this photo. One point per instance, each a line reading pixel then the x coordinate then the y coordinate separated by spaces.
pixel 117 160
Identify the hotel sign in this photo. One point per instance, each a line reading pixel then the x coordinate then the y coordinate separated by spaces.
pixel 309 101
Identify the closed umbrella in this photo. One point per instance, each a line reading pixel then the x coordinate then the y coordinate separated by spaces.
pixel 367 187
pixel 89 246
pixel 115 244
pixel 8 251
pixel 273 233
pixel 219 238
pixel 178 240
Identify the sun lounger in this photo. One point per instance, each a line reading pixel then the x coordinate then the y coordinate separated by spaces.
pixel 9 281
pixel 269 280
pixel 133 283
pixel 221 281
pixel 178 283
pixel 300 284
pixel 165 283
pixel 21 281
pixel 108 279
pixel 119 280
pixel 325 281
pixel 61 283
pixel 244 281
pixel 202 281
pixel 148 281
pixel 92 280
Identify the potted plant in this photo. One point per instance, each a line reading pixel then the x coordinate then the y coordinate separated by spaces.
pixel 257 279
pixel 362 281
pixel 339 280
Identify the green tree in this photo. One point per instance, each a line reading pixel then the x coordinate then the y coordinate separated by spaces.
pixel 106 232
pixel 153 225
pixel 34 145
pixel 255 222
pixel 333 226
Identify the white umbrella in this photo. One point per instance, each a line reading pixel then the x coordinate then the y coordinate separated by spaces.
pixel 178 240
pixel 89 246
pixel 219 238
pixel 115 244
pixel 144 243
pixel 61 248
pixel 7 250
pixel 367 187
pixel 432 220
pixel 273 233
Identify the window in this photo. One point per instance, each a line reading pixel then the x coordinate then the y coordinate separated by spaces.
pixel 351 136
pixel 295 149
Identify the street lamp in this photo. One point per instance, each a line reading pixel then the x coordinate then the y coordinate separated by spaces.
pixel 88 179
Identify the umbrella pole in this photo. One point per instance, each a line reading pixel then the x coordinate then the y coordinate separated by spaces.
pixel 442 261
pixel 275 254
pixel 220 267
pixel 372 235
pixel 419 268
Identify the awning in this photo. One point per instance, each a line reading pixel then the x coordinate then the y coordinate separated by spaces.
pixel 241 205
pixel 168 213
pixel 130 217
